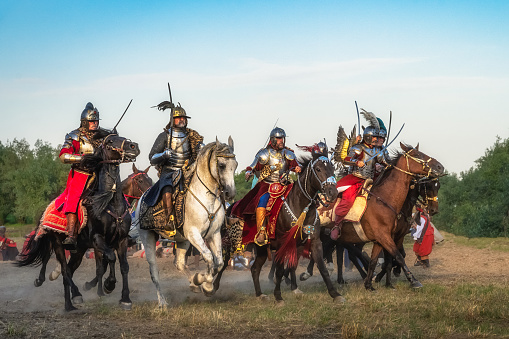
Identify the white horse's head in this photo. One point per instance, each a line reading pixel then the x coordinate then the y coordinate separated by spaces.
pixel 222 165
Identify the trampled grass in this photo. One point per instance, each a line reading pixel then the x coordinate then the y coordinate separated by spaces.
pixel 434 311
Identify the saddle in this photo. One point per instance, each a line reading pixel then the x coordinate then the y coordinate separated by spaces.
pixel 55 220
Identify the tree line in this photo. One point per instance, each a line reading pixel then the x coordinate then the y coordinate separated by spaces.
pixel 474 203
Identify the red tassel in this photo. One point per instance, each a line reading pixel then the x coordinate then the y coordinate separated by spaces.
pixel 288 250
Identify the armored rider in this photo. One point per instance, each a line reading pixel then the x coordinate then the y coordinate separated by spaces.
pixel 173 148
pixel 272 164
pixel 78 143
pixel 360 159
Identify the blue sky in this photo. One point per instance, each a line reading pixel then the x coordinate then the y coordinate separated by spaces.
pixel 441 67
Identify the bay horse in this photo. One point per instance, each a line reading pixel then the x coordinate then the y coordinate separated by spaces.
pixel 211 184
pixel 424 190
pixel 317 176
pixel 107 224
pixel 385 201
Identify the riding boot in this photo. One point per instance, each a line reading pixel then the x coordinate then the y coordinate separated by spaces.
pixel 336 230
pixel 168 210
pixel 72 231
pixel 261 237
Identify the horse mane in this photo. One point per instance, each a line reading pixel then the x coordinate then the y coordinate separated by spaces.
pixel 392 161
pixel 304 160
pixel 204 152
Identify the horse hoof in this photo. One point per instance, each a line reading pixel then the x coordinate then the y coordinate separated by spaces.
pixel 108 287
pixel 342 282
pixel 280 303
pixel 127 306
pixel 208 289
pixel 263 297
pixel 107 290
pixel 87 286
pixel 297 291
pixel 416 284
pixel 304 276
pixel 37 282
pixel 70 308
pixel 77 300
pixel 339 299
pixel 53 275
pixel 390 286
pixel 370 289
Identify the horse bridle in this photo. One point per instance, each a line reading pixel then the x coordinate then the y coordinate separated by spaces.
pixel 137 186
pixel 310 167
pixel 211 216
pixel 425 165
pixel 120 151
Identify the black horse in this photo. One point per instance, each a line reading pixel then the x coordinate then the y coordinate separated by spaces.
pixel 316 177
pixel 107 226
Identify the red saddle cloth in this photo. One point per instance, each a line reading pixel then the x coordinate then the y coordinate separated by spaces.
pixel 245 208
pixel 55 220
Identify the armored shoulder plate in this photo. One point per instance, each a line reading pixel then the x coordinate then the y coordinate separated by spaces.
pixel 262 156
pixel 355 150
pixel 289 154
pixel 69 137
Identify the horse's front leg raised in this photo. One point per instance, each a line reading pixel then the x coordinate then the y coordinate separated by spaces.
pixel 195 238
pixel 317 253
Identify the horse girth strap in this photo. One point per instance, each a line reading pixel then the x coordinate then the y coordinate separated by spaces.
pixel 211 216
pixel 378 198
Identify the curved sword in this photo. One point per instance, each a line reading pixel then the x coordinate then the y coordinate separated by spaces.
pixel 114 128
pixel 358 118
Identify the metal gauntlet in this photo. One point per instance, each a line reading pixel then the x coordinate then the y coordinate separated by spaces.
pixel 68 158
pixel 158 158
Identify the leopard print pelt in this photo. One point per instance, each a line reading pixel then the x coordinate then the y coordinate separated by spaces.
pixel 232 236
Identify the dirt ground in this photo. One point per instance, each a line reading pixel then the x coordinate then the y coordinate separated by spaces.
pixel 22 302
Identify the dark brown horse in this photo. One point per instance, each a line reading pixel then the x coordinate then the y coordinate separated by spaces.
pixel 107 227
pixel 385 202
pixel 316 177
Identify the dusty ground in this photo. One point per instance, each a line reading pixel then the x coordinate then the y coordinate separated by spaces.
pixel 22 302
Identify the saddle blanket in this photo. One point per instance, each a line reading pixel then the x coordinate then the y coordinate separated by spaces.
pixel 327 215
pixel 55 220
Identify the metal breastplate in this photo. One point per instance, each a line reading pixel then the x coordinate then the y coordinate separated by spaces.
pixel 368 171
pixel 180 149
pixel 86 146
pixel 278 160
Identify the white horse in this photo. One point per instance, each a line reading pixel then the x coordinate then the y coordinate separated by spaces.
pixel 211 184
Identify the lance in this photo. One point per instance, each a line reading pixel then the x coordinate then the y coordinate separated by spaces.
pixel 389 130
pixel 358 118
pixel 383 149
pixel 114 128
pixel 171 117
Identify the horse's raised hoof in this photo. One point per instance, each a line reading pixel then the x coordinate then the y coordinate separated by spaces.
pixel 208 289
pixel 108 286
pixel 53 275
pixel 38 282
pixel 280 303
pixel 304 276
pixel 339 299
pixel 127 306
pixel 87 286
pixel 416 284
pixel 77 300
pixel 262 297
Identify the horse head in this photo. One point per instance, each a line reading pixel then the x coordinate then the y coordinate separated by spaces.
pixel 222 166
pixel 119 149
pixel 428 190
pixel 323 179
pixel 419 164
pixel 136 183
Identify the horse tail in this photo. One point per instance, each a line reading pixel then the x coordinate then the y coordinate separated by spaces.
pixel 36 251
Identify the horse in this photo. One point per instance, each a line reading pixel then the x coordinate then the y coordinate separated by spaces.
pixel 132 187
pixel 427 189
pixel 385 201
pixel 318 175
pixel 107 224
pixel 211 184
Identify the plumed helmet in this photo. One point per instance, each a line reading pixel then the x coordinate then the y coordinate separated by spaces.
pixel 277 132
pixel 369 133
pixel 382 133
pixel 90 113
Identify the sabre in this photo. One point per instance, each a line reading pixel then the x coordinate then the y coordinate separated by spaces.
pixel 114 128
pixel 171 116
pixel 358 118
pixel 383 149
pixel 389 130
pixel 275 124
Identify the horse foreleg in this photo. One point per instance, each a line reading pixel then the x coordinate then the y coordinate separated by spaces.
pixel 309 270
pixel 42 273
pixel 280 270
pixel 339 262
pixel 317 252
pixel 215 245
pixel 217 280
pixel 110 282
pixel 260 258
pixel 125 302
pixel 375 252
pixel 73 264
pixel 149 239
